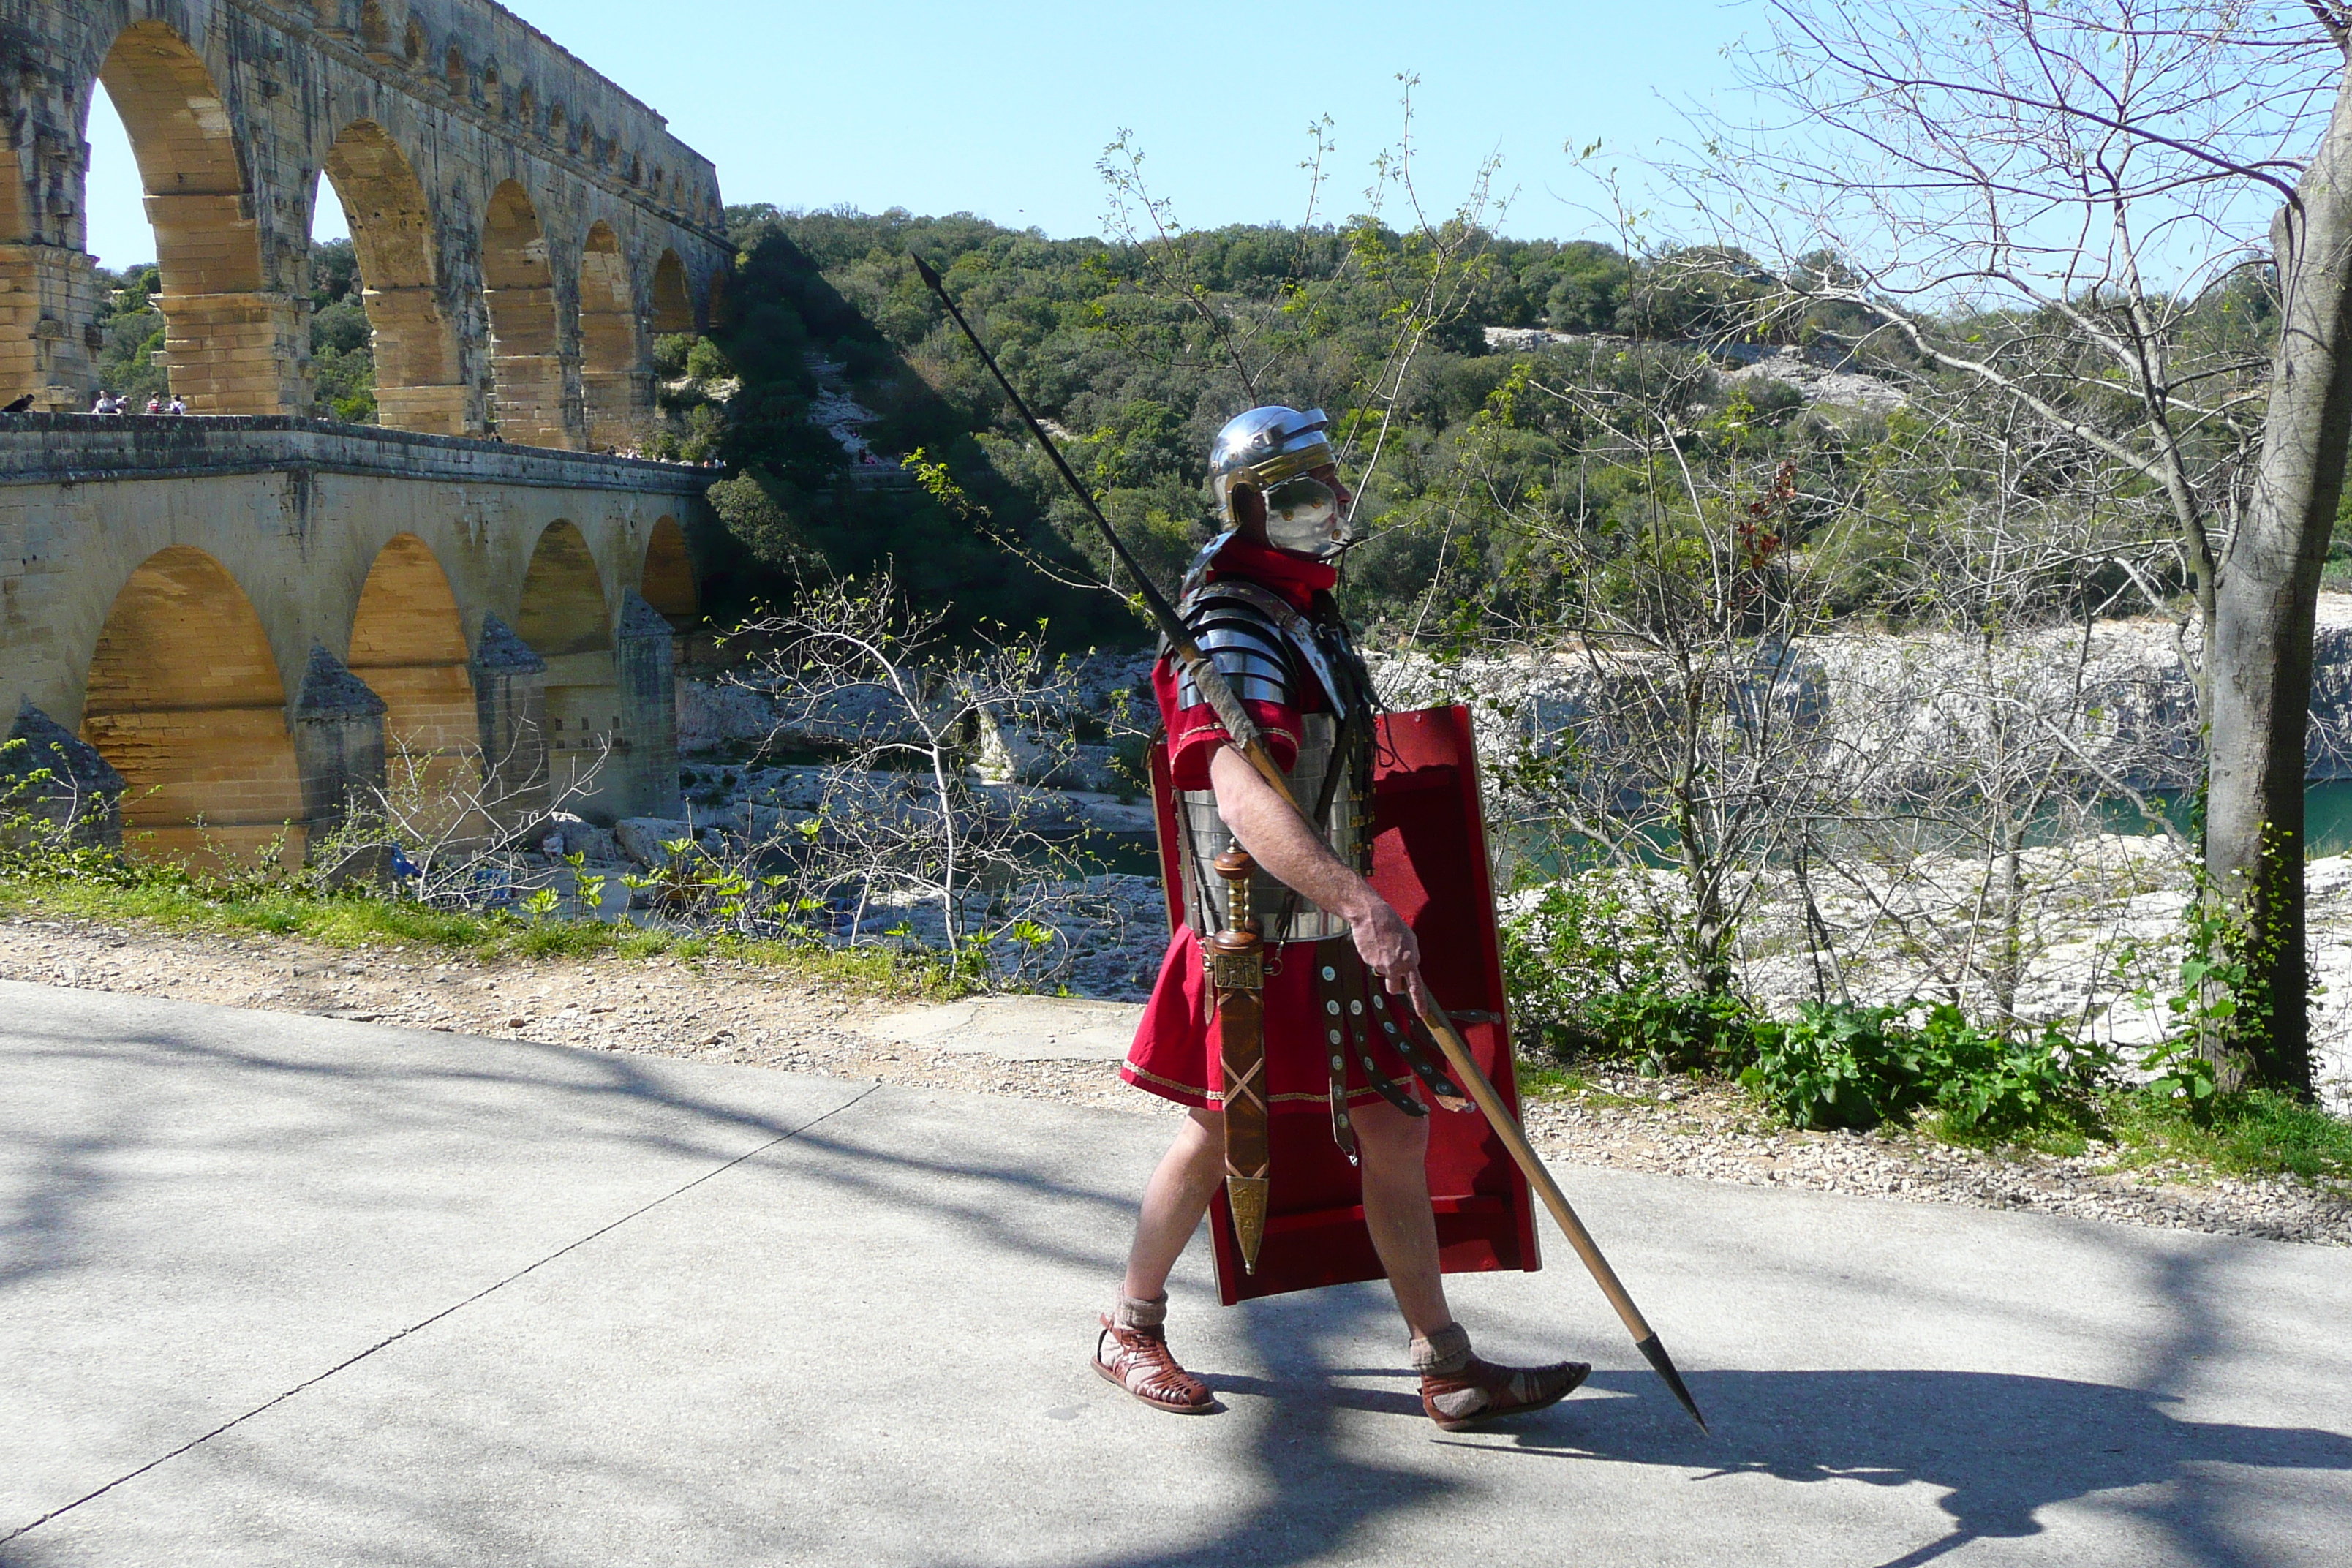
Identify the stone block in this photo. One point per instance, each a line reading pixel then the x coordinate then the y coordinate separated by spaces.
pixel 641 837
pixel 50 776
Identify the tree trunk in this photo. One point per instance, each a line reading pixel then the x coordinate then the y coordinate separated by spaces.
pixel 2261 656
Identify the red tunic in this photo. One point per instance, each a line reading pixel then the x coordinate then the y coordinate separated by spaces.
pixel 1175 1055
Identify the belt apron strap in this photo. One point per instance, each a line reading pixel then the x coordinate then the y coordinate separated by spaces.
pixel 1416 1045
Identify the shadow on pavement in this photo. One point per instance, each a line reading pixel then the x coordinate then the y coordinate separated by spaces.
pixel 2001 1447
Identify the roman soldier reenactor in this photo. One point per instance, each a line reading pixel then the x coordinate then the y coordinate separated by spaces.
pixel 1286 1011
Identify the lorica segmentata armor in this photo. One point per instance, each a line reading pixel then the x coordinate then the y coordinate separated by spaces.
pixel 1285 914
pixel 1268 652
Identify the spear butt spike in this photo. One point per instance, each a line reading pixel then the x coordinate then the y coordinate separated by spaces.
pixel 1663 1365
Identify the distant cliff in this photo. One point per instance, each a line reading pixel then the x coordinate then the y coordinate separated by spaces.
pixel 1906 706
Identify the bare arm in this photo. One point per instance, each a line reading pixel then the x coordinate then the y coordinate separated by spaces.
pixel 1279 840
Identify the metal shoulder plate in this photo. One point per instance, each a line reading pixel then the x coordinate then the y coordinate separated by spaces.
pixel 1247 647
pixel 1276 614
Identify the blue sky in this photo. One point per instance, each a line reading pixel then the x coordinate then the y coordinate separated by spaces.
pixel 1003 110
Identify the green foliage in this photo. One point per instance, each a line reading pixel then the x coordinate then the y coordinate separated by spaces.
pixel 1590 980
pixel 2259 1132
pixel 343 342
pixel 2213 1007
pixel 671 353
pixel 344 384
pixel 1838 1065
pixel 757 508
pixel 705 360
pixel 131 331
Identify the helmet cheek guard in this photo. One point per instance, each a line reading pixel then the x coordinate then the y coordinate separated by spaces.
pixel 1272 451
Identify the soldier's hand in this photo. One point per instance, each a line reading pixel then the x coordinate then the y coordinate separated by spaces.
pixel 1387 944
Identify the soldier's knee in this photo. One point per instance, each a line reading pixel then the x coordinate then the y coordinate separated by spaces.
pixel 1386 1133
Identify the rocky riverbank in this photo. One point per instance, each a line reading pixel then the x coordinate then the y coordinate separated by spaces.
pixel 2097 936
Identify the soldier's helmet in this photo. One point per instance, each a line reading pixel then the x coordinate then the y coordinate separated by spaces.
pixel 1272 450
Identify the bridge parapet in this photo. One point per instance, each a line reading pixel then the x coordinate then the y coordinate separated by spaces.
pixel 52 447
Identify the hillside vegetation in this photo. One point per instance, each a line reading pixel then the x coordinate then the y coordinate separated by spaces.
pixel 1501 471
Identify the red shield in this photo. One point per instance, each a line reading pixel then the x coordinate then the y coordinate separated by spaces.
pixel 1429 860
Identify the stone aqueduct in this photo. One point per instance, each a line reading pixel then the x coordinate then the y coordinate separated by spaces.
pixel 243 612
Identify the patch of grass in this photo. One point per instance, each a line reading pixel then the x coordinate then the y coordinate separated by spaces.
pixel 1543 1080
pixel 2257 1133
pixel 1537 1080
pixel 2067 1139
pixel 176 902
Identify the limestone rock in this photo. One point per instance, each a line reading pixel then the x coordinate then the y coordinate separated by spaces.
pixel 712 716
pixel 571 835
pixel 641 837
pixel 82 793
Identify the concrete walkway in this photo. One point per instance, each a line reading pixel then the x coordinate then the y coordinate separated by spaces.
pixel 280 1290
pixel 1018 1028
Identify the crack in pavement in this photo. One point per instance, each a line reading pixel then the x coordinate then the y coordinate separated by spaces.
pixel 419 1326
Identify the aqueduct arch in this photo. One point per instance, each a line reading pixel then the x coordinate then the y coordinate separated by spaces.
pixel 615 379
pixel 232 345
pixel 420 381
pixel 431 119
pixel 673 303
pixel 668 582
pixel 526 331
pixel 186 700
pixel 566 619
pixel 408 644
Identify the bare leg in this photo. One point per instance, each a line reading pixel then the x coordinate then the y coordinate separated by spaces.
pixel 1173 1202
pixel 1395 1149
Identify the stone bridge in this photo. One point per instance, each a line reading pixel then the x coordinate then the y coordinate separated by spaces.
pixel 249 619
pixel 230 623
pixel 523 226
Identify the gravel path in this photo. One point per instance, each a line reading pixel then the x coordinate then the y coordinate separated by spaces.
pixel 730 1013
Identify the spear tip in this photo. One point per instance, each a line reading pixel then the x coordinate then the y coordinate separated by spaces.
pixel 923 271
pixel 1664 1364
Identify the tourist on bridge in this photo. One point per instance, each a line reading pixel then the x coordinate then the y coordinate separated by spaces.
pixel 107 403
pixel 1340 972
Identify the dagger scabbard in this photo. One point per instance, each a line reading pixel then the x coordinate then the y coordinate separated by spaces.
pixel 1236 961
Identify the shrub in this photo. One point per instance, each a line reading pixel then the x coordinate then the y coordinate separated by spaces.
pixel 1837 1065
pixel 706 361
pixel 1587 979
pixel 670 352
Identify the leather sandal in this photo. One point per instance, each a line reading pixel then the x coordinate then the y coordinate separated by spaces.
pixel 1138 1360
pixel 1481 1391
pixel 1459 1390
